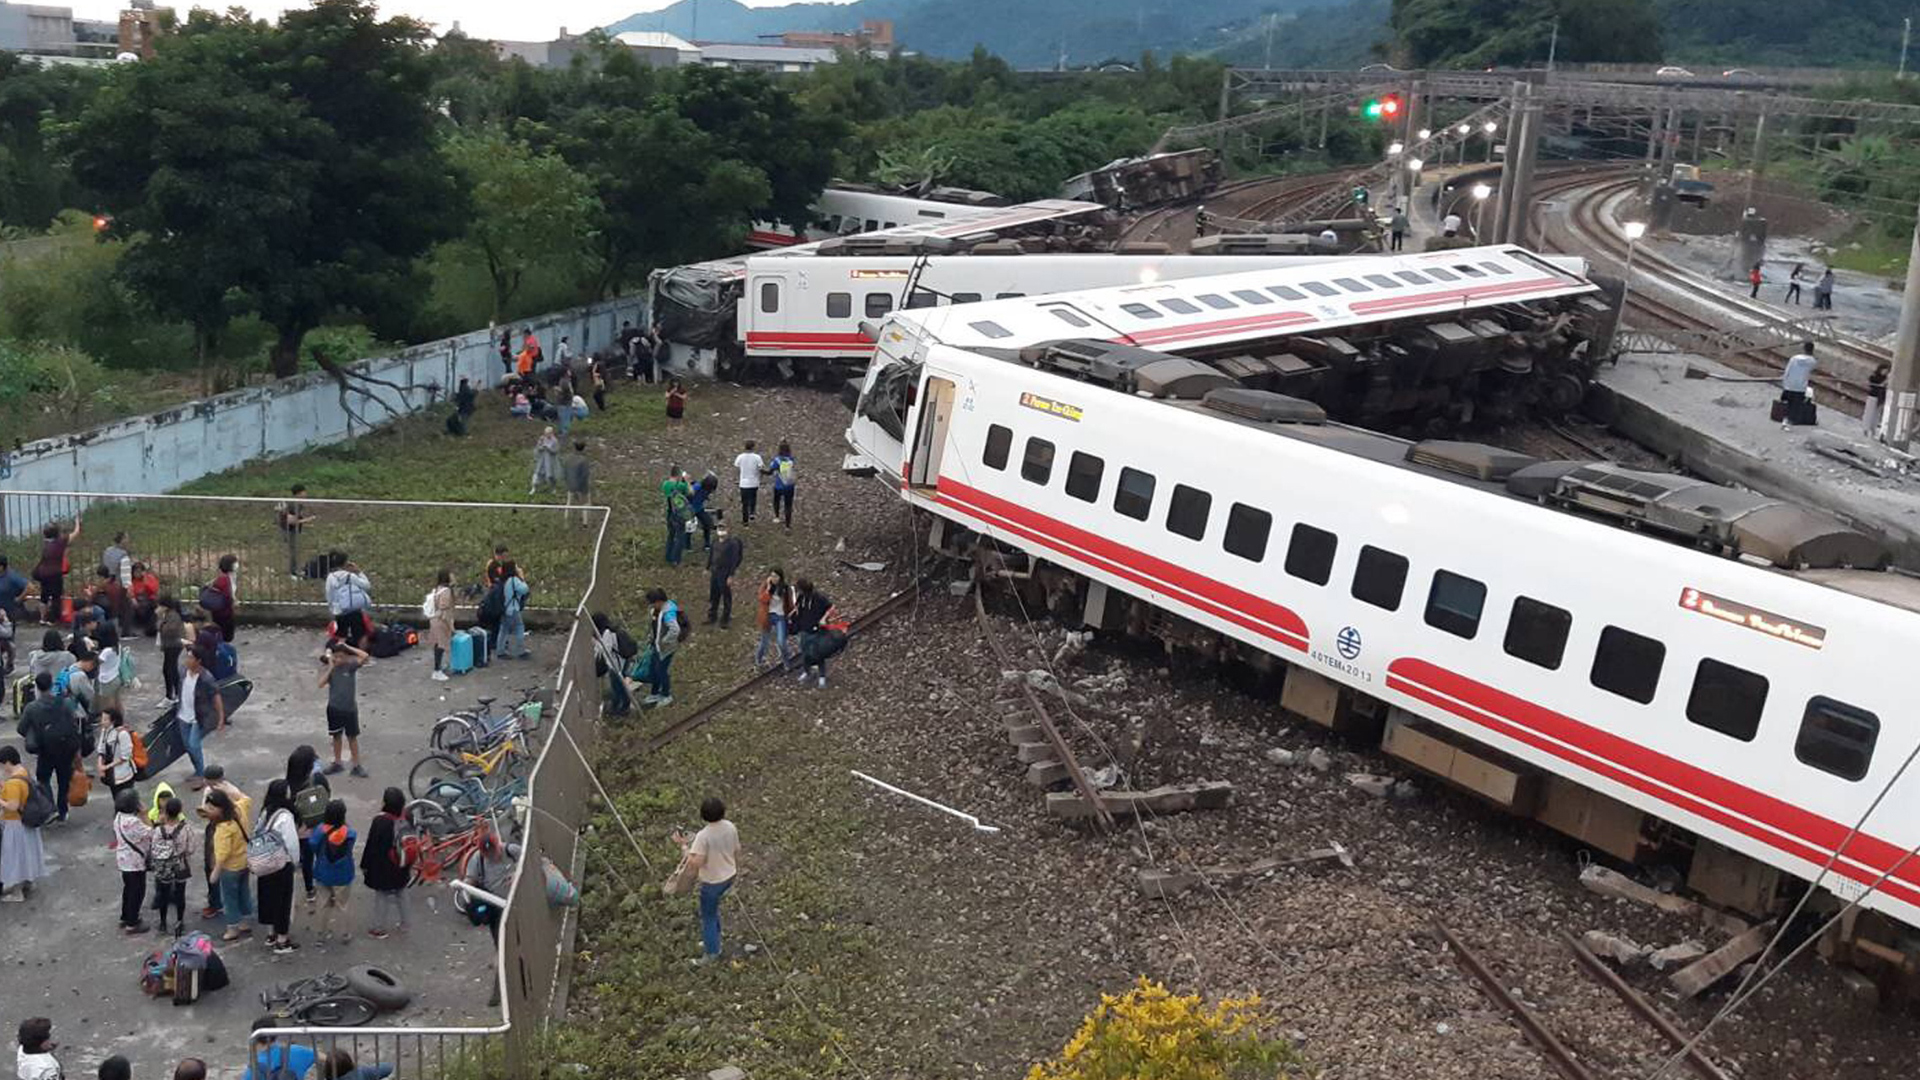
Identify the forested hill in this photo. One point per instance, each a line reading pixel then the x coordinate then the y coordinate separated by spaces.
pixel 1340 33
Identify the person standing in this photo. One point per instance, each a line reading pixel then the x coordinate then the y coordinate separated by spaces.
pixel 439 607
pixel 752 466
pixel 276 887
pixel 1397 230
pixel 610 661
pixel 776 600
pixel 546 461
pixel 117 766
pixel 340 677
pixel 1823 291
pixel 663 642
pixel 51 728
pixel 310 794
pixel 1450 225
pixel 1793 284
pixel 786 473
pixel 513 615
pixel 223 596
pixel 23 859
pixel 712 856
pixel 597 373
pixel 727 558
pixel 132 850
pixel 579 485
pixel 1876 399
pixel 170 854
pixel 383 867
pixel 676 400
pixel 677 497
pixel 35 1060
pixel 563 353
pixel 625 340
pixel 230 863
pixel 108 684
pixel 171 631
pixel 292 517
pixel 349 597
pixel 1795 383
pixel 200 712
pixel 117 562
pixel 142 596
pixel 464 398
pixel 330 847
pixel 51 570
pixel 506 351
pixel 13 586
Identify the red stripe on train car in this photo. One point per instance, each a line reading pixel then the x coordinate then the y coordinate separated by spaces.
pixel 1808 836
pixel 1259 615
pixel 1192 331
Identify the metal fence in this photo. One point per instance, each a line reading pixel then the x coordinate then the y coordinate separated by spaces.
pixel 400 546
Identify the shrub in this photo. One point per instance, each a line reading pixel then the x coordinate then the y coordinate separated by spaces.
pixel 1150 1033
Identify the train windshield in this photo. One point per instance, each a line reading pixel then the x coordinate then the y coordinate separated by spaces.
pixel 889 397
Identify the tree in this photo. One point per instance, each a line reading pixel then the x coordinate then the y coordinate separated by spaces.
pixel 289 171
pixel 34 180
pixel 1479 33
pixel 528 207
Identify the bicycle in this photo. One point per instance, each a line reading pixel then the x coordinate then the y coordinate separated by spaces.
pixel 506 758
pixel 469 795
pixel 440 857
pixel 474 730
pixel 322 1001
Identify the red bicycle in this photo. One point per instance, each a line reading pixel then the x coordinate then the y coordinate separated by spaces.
pixel 436 847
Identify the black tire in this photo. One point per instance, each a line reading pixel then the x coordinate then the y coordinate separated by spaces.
pixel 431 818
pixel 379 986
pixel 432 769
pixel 341 1010
pixel 452 734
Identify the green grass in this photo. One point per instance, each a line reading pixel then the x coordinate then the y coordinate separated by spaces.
pixel 1879 252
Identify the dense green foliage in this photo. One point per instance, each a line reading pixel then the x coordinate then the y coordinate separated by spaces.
pixel 1519 33
pixel 1752 33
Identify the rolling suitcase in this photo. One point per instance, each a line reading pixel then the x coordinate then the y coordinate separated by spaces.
pixel 460 657
pixel 482 645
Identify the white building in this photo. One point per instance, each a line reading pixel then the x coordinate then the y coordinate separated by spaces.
pixel 656 48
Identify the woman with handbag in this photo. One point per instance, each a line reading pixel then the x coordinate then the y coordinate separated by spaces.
pixel 271 855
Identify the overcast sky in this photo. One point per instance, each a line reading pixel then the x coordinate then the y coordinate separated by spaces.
pixel 511 20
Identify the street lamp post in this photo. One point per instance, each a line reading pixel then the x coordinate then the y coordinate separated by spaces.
pixel 1480 193
pixel 1463 131
pixel 1394 150
pixel 1490 127
pixel 1634 230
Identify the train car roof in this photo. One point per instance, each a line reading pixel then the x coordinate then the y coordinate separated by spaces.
pixel 1225 309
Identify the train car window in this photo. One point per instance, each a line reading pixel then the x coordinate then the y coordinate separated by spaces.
pixel 1247 529
pixel 1318 288
pixel 839 305
pixel 1470 271
pixel 991 329
pixel 1411 277
pixel 1627 664
pixel 1351 284
pixel 1286 292
pixel 1836 737
pixel 1537 632
pixel 769 296
pixel 1008 295
pixel 878 304
pixel 1068 317
pixel 872 224
pixel 1187 511
pixel 1215 300
pixel 1454 603
pixel 1251 296
pixel 1037 465
pixel 893 224
pixel 1438 274
pixel 833 223
pixel 930 213
pixel 1133 496
pixel 1083 476
pixel 999 441
pixel 1310 553
pixel 1495 268
pixel 1179 306
pixel 1140 311
pixel 1379 577
pixel 1384 281
pixel 966 298
pixel 1727 699
pixel 922 298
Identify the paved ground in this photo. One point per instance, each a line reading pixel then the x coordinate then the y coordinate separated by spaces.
pixel 66 959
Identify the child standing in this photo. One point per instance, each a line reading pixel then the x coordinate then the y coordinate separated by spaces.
pixel 343 709
pixel 382 867
pixel 546 461
pixel 332 844
pixel 169 856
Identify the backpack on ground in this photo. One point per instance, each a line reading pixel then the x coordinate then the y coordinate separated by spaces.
pixel 266 852
pixel 391 640
pixel 38 809
pixel 310 805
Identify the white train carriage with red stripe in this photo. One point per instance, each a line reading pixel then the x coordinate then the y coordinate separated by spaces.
pixel 846 210
pixel 1652 664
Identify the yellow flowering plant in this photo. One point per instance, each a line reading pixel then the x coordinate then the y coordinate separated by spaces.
pixel 1151 1033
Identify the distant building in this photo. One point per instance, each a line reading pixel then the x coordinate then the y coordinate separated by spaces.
pixel 874 35
pixel 656 48
pixel 774 58
pixel 139 25
pixel 51 33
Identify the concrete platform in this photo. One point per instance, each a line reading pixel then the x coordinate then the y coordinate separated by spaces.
pixel 1721 431
pixel 66 959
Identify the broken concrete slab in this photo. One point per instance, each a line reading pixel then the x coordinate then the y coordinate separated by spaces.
pixel 1171 799
pixel 1711 968
pixel 1612 883
pixel 1160 884
pixel 1618 949
pixel 1372 783
pixel 1046 774
pixel 1675 955
pixel 1029 753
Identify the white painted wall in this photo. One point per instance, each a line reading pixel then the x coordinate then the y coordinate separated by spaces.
pixel 161 451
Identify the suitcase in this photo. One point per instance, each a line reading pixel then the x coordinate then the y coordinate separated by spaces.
pixel 164 744
pixel 460 657
pixel 1803 413
pixel 1778 412
pixel 482 647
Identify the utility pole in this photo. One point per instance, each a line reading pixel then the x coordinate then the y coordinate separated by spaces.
pixel 1904 380
pixel 1520 221
pixel 1906 35
pixel 1267 64
pixel 1504 206
pixel 1759 157
pixel 1553 45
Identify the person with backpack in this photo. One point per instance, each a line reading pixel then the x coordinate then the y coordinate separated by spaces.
pixel 511 636
pixel 170 858
pixel 23 809
pixel 291 516
pixel 343 708
pixel 51 731
pixel 668 632
pixel 108 684
pixel 279 830
pixel 438 608
pixel 613 650
pixel 385 865
pixel 811 609
pixel 330 850
pixel 310 795
pixel 51 570
pixel 132 854
pixel 726 562
pixel 697 505
pixel 677 498
pixel 230 874
pixel 349 597
pixel 35 1060
pixel 122 754
pixel 219 595
pixel 785 476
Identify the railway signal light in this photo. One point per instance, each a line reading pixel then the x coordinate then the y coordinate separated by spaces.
pixel 1383 108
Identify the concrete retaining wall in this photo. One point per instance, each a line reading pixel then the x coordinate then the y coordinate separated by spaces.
pixel 161 451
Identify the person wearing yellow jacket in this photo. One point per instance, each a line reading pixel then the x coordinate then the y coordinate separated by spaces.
pixel 229 816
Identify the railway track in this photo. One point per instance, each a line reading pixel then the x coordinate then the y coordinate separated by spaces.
pixel 1275 196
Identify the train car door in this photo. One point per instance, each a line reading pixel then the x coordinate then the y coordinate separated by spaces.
pixel 771 303
pixel 930 442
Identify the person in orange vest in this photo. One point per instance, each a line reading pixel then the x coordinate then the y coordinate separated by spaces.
pixel 1753 278
pixel 529 357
